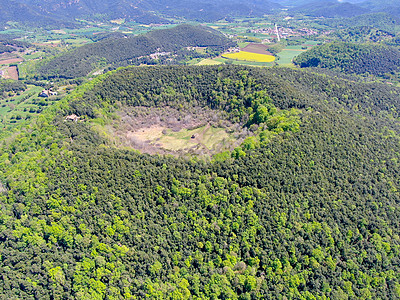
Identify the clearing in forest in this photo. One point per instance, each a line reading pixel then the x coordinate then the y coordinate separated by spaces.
pixel 169 131
pixel 247 56
pixel 205 137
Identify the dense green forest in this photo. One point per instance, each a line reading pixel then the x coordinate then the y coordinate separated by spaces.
pixel 379 60
pixel 9 40
pixel 9 44
pixel 10 86
pixel 17 11
pixel 310 214
pixel 122 50
pixel 363 34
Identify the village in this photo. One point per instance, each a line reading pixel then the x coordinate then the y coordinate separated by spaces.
pixel 285 32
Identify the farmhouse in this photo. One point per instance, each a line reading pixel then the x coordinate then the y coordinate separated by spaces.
pixel 47 93
pixel 72 117
pixel 158 54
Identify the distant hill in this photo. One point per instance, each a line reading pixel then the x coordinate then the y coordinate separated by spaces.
pixel 330 9
pixel 362 34
pixel 97 9
pixel 152 11
pixel 204 10
pixel 16 11
pixel 389 6
pixel 377 5
pixel 381 21
pixel 120 50
pixel 352 58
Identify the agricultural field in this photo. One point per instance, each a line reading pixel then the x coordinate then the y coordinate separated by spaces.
pixel 11 73
pixel 22 106
pixel 256 48
pixel 10 61
pixel 193 61
pixel 244 62
pixel 248 56
pixel 286 56
pixel 295 48
pixel 243 44
pixel 208 61
pixel 34 55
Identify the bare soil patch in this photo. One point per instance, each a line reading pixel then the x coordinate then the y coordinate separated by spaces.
pixel 10 61
pixel 257 48
pixel 11 73
pixel 6 55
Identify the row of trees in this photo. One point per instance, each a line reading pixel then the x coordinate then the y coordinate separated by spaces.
pixel 11 86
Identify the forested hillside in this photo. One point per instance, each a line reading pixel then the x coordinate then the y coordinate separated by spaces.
pixel 330 9
pixel 10 86
pixel 16 11
pixel 309 214
pixel 144 11
pixel 389 6
pixel 352 58
pixel 363 34
pixel 381 21
pixel 122 50
pixel 98 10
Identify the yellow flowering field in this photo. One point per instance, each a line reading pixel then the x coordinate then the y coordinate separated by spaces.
pixel 248 56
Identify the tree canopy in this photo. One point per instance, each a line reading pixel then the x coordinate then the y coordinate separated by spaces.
pixel 311 214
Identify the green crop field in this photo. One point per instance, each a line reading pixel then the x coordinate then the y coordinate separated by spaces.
pixel 294 47
pixel 194 61
pixel 310 42
pixel 243 44
pixel 207 61
pixel 286 56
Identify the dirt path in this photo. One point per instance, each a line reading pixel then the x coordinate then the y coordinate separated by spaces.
pixel 199 138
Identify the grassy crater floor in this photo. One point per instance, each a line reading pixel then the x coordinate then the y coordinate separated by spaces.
pixel 206 138
pixel 169 131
